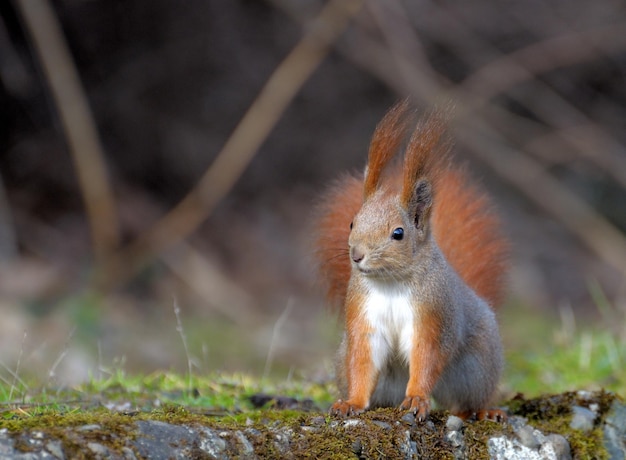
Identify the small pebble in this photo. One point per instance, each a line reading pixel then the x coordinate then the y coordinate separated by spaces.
pixel 352 422
pixel 582 419
pixel 88 428
pixel 318 421
pixel 454 423
pixel 526 435
pixel 382 424
pixel 561 446
pixel 408 418
pixel 455 438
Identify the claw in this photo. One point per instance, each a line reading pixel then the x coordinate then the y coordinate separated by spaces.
pixel 345 409
pixel 495 415
pixel 419 405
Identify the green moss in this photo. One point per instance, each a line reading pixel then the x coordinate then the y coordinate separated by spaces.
pixel 110 429
pixel 222 402
pixel 478 433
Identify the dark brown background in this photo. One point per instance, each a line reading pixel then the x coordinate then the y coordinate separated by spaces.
pixel 167 83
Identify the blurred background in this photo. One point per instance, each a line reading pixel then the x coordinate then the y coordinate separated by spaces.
pixel 160 160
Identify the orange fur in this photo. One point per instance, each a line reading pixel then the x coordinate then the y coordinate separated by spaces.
pixel 426 365
pixel 425 156
pixel 463 222
pixel 359 356
pixel 388 136
pixel 334 214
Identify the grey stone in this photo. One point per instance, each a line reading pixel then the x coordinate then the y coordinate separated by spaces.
pixel 56 449
pixel 163 441
pixel 282 441
pixel 128 454
pixel 541 447
pixel 527 437
pixel 405 449
pixel 408 418
pixel 310 429
pixel 615 431
pixel 503 448
pixel 414 453
pixel 88 427
pixel 357 447
pixel 454 423
pixel 582 419
pixel 33 444
pixel 6 442
pixel 246 449
pixel 212 444
pixel 457 442
pixel 382 424
pixel 318 421
pixel 517 422
pixel 560 446
pixel 98 450
pixel 352 423
pixel 455 438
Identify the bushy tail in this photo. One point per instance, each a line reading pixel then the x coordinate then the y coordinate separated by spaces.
pixel 469 234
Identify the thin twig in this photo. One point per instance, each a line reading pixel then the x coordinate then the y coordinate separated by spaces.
pixel 275 334
pixel 183 338
pixel 253 129
pixel 17 367
pixel 541 57
pixel 78 124
pixel 208 282
pixel 522 171
pixel 8 238
pixel 527 175
pixel 61 357
pixel 16 377
pixel 526 64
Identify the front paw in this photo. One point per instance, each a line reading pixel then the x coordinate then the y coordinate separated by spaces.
pixel 418 405
pixel 345 409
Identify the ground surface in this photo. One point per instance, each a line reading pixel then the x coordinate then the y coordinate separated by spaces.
pixel 165 416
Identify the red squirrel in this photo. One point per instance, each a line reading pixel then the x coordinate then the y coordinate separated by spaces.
pixel 414 253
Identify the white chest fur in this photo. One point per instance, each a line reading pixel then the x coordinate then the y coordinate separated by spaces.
pixel 391 314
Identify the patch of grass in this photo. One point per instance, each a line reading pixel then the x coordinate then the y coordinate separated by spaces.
pixel 217 394
pixel 545 354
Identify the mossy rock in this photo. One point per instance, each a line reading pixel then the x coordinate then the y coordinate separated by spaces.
pixel 540 426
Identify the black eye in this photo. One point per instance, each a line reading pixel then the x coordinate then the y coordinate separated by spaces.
pixel 398 233
pixel 350 225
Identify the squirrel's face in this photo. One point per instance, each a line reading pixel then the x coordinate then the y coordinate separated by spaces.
pixel 385 238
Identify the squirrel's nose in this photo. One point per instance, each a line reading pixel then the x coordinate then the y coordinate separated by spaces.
pixel 356 254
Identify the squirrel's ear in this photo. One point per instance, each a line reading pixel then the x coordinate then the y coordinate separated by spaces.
pixel 387 138
pixel 421 202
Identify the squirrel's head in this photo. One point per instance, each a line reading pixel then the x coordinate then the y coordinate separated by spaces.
pixel 386 234
pixel 393 224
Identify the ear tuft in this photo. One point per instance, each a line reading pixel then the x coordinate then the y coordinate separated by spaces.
pixel 426 155
pixel 387 138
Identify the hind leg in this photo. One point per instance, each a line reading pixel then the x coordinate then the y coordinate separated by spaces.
pixel 495 415
pixel 468 385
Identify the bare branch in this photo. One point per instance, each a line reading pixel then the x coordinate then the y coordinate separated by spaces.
pixel 240 148
pixel 78 124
